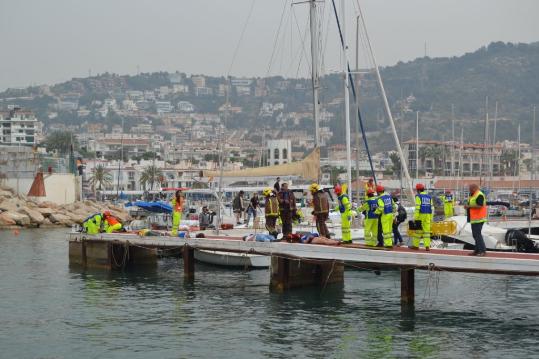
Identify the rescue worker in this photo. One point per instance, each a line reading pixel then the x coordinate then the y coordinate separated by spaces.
pixel 205 219
pixel 477 214
pixel 386 208
pixel 111 223
pixel 371 218
pixel 424 211
pixel 238 207
pixel 449 204
pixel 287 208
pixel 369 185
pixel 320 209
pixel 271 211
pixel 345 208
pixel 177 209
pixel 92 224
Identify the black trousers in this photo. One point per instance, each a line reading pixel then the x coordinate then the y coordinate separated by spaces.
pixel 478 237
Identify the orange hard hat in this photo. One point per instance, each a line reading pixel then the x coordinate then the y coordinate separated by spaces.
pixel 337 189
pixel 370 191
pixel 380 188
pixel 420 186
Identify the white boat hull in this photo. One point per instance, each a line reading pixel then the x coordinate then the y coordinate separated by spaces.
pixel 230 259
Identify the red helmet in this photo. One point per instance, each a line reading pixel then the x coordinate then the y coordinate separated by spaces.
pixel 370 191
pixel 448 191
pixel 420 187
pixel 380 188
pixel 106 213
pixel 337 189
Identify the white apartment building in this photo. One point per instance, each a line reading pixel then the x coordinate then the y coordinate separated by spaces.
pixel 19 127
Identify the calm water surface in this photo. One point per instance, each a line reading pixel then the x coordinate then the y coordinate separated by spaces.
pixel 50 311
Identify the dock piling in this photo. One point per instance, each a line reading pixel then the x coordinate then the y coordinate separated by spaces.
pixel 289 273
pixel 407 286
pixel 188 255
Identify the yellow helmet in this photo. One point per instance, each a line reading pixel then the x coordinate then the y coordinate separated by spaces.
pixel 267 192
pixel 315 187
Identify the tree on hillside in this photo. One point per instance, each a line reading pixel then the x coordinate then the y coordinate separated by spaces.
pixel 396 163
pixel 100 177
pixel 151 175
pixel 61 141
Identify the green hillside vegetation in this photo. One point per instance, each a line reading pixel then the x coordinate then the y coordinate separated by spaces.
pixel 505 72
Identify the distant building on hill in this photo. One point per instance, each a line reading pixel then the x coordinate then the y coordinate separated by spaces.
pixel 19 127
pixel 279 152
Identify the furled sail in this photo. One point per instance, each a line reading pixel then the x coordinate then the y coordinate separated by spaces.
pixel 308 168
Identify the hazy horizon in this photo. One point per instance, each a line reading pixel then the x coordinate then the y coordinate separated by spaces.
pixel 57 40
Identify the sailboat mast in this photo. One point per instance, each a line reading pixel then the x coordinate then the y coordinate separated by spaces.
pixel 386 105
pixel 417 145
pixel 346 101
pixel 452 140
pixel 315 74
pixel 222 159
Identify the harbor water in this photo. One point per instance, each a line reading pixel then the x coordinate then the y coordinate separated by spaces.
pixel 49 310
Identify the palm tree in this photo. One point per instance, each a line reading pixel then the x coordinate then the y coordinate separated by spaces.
pixel 396 161
pixel 100 177
pixel 151 175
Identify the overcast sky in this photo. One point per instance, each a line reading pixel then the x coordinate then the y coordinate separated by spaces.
pixel 55 40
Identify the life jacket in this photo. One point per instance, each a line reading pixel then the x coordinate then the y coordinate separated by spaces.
pixel 111 220
pixel 272 207
pixel 388 203
pixel 177 206
pixel 373 204
pixel 478 214
pixel 425 203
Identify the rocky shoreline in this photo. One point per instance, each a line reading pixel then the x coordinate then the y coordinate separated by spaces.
pixel 19 211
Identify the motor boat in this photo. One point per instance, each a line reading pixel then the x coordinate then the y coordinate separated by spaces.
pixel 498 236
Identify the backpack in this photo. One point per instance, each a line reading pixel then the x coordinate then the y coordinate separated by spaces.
pixel 401 214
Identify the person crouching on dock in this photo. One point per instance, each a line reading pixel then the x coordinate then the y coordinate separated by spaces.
pixel 111 223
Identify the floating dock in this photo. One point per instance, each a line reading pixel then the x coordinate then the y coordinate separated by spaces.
pixel 295 264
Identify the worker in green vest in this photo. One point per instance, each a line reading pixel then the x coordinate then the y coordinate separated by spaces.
pixel 371 218
pixel 449 204
pixel 92 224
pixel 424 211
pixel 386 208
pixel 345 208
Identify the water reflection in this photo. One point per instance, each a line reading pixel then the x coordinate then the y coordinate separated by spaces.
pixel 51 310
